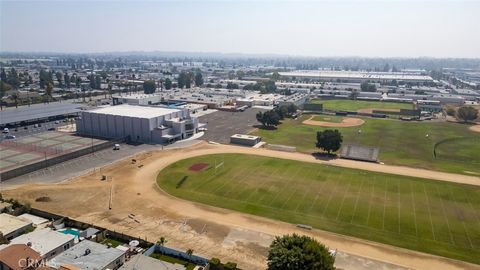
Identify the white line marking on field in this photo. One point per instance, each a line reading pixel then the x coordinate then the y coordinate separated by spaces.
pixel 445 217
pixel 385 204
pixel 463 223
pixel 343 200
pixel 429 212
pixel 414 211
pixel 371 199
pixel 356 201
pixel 284 186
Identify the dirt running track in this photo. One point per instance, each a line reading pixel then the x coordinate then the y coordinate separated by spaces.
pixel 208 230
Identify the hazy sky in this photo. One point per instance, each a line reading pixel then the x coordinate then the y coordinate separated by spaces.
pixel 390 28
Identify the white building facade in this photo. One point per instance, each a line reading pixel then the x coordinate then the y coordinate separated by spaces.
pixel 146 124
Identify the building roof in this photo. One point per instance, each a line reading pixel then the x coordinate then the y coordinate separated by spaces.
pixel 363 75
pixel 147 263
pixel 135 111
pixel 37 111
pixel 43 240
pixel 10 224
pixel 36 220
pixel 15 256
pixel 243 136
pixel 87 255
pixel 4 205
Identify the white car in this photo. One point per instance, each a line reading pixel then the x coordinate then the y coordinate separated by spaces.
pixel 202 129
pixel 116 146
pixel 6 130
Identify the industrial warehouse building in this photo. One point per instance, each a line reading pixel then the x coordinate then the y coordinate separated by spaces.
pixel 146 124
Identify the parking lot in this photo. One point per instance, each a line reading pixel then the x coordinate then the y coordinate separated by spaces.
pixel 34 129
pixel 221 124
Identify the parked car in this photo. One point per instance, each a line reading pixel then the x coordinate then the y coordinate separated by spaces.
pixel 10 137
pixel 116 146
pixel 50 129
pixel 6 130
pixel 57 122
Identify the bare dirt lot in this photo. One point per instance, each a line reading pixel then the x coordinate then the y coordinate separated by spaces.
pixel 209 231
pixel 346 122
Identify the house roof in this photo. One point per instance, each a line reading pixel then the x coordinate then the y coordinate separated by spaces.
pixel 44 240
pixel 86 255
pixel 9 223
pixel 15 256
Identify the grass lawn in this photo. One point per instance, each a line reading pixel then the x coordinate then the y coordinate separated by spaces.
pixel 430 216
pixel 401 143
pixel 113 242
pixel 355 105
pixel 165 258
pixel 328 118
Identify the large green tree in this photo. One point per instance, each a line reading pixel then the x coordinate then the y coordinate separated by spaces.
pixel 368 87
pixel 329 140
pixel 268 118
pixel 467 113
pixel 198 78
pixel 168 84
pixel 294 252
pixel 149 87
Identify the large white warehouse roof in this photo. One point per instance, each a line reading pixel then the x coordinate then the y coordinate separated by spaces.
pixel 135 111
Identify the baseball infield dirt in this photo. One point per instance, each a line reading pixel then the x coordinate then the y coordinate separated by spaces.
pixel 475 128
pixel 346 122
pixel 207 230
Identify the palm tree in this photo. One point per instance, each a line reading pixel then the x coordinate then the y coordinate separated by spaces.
pixel 189 253
pixel 48 91
pixel 162 241
pixel 15 99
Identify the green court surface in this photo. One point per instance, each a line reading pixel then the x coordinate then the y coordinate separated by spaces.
pixel 47 143
pixel 49 135
pixel 436 217
pixel 8 152
pixel 68 146
pixel 5 163
pixel 24 157
pixel 87 141
pixel 29 140
pixel 401 143
pixel 355 105
pixel 66 138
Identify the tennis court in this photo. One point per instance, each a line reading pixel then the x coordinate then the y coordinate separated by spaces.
pixel 30 149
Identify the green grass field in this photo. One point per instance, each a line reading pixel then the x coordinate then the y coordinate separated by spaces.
pixel 436 217
pixel 328 118
pixel 400 143
pixel 355 105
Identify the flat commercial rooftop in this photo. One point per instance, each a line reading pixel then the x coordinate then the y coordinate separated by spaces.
pixel 135 111
pixel 357 75
pixel 37 111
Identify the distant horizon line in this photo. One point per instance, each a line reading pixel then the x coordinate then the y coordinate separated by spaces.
pixel 233 54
